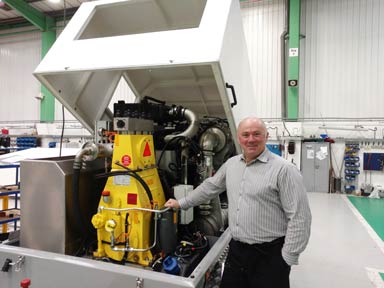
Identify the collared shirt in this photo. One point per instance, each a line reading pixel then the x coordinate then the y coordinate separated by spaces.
pixel 266 200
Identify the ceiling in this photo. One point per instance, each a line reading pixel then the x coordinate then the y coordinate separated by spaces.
pixel 12 12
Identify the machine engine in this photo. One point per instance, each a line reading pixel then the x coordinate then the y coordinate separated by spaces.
pixel 154 152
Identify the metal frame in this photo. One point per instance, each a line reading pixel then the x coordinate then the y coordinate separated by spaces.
pixel 46 269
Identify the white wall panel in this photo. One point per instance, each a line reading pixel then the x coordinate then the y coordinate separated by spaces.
pixel 19 56
pixel 342 59
pixel 263 24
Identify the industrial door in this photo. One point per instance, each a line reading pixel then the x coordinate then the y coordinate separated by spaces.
pixel 315 165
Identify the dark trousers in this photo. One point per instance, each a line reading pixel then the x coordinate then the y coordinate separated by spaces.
pixel 256 266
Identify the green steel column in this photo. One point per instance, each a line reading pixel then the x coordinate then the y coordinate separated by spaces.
pixel 293 59
pixel 47 106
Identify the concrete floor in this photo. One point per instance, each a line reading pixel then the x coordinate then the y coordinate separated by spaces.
pixel 341 253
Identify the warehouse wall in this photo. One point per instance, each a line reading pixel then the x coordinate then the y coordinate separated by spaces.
pixel 19 56
pixel 341 57
pixel 263 24
pixel 342 60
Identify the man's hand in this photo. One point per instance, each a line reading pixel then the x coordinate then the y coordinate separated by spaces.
pixel 172 203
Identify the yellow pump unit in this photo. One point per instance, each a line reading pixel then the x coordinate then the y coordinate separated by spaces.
pixel 125 222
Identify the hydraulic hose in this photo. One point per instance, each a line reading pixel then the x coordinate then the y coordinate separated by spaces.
pixel 89 152
pixel 132 174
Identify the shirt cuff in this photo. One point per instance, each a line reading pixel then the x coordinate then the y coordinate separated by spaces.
pixel 183 203
pixel 290 259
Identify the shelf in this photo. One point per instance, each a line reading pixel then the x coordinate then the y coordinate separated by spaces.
pixel 10 215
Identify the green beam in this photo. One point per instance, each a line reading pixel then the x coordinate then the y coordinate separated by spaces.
pixel 47 106
pixel 33 15
pixel 293 59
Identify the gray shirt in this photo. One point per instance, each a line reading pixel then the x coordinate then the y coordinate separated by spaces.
pixel 266 200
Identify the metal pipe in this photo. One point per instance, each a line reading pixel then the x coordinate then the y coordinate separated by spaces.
pixel 101 208
pixel 193 127
pixel 90 151
pixel 345 128
pixel 130 249
pixel 283 61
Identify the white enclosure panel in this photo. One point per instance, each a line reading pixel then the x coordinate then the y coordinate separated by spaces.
pixel 263 23
pixel 342 59
pixel 19 56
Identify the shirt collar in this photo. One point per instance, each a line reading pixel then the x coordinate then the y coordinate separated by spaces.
pixel 263 157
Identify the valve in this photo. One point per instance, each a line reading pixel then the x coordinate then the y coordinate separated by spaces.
pixel 7 265
pixel 25 283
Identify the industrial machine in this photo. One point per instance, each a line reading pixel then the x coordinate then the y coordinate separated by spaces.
pixel 187 66
pixel 132 224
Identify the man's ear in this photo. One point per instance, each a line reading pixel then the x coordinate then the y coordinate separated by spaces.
pixel 267 135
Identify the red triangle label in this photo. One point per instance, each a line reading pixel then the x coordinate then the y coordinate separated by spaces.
pixel 147 150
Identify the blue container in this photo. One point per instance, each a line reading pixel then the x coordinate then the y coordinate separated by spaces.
pixel 171 266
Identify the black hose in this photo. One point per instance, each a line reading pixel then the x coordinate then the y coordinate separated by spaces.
pixel 166 146
pixel 126 233
pixel 79 222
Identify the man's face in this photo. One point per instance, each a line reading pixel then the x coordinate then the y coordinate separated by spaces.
pixel 252 137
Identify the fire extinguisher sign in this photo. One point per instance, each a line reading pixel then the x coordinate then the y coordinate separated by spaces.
pixel 126 160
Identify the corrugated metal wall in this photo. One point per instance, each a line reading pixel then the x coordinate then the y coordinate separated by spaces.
pixel 263 24
pixel 19 56
pixel 342 60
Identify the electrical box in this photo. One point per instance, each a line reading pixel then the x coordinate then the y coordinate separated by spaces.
pixel 180 191
pixel 315 163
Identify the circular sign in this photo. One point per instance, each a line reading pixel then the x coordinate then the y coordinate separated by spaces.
pixel 126 160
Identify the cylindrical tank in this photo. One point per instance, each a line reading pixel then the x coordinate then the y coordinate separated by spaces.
pixel 168 231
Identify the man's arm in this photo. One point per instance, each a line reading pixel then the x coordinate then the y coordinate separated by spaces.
pixel 294 200
pixel 207 190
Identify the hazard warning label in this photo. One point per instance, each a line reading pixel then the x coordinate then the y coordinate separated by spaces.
pixel 126 160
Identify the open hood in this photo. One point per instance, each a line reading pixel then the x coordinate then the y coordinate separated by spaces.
pixel 185 52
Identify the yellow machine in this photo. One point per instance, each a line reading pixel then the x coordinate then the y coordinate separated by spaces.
pixel 125 222
pixel 131 222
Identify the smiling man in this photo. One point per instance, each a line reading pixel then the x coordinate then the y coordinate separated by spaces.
pixel 268 211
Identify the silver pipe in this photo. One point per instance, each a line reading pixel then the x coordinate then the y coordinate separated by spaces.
pixel 193 127
pixel 90 151
pixel 130 249
pixel 283 63
pixel 101 208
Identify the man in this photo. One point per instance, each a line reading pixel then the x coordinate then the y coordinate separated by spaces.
pixel 269 216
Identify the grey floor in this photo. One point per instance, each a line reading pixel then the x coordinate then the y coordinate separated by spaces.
pixel 340 252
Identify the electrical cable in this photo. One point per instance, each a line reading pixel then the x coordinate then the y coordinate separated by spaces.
pixel 166 146
pixel 285 128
